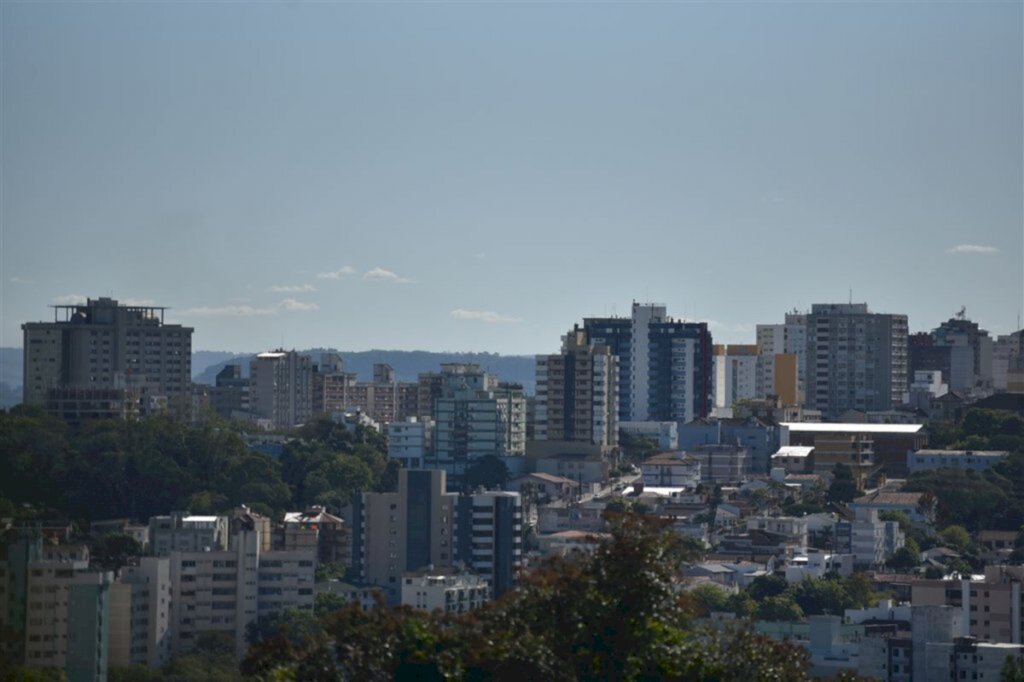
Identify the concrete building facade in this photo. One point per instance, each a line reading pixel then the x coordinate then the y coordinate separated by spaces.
pixel 103 345
pixel 735 370
pixel 665 365
pixel 577 393
pixel 855 359
pixel 281 387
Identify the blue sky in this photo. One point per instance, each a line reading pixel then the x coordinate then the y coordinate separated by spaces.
pixel 479 176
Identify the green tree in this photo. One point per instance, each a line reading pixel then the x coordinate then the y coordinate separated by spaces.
pixel 904 559
pixel 817 596
pixel 956 537
pixel 709 597
pixel 1013 669
pixel 764 586
pixel 487 472
pixel 779 608
pixel 116 550
pixel 843 488
pixel 211 660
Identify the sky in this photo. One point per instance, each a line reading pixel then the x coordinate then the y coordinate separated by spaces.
pixel 480 176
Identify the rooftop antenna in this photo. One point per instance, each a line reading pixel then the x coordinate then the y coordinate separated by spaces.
pixel 962 314
pixel 851 295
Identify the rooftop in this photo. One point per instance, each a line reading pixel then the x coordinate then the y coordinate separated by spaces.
pixel 889 498
pixel 794 451
pixel 806 427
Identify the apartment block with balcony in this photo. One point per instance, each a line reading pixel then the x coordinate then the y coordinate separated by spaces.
pixel 281 387
pixel 664 365
pixel 450 593
pixel 226 591
pixel 855 359
pixel 475 417
pixel 577 393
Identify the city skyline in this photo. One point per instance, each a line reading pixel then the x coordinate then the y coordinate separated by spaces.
pixel 478 177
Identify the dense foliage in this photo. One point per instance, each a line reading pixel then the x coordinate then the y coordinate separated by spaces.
pixel 772 598
pixel 993 499
pixel 615 615
pixel 137 469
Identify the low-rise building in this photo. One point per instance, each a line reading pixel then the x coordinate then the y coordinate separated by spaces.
pixel 974 460
pixel 918 506
pixel 816 564
pixel 721 463
pixel 870 540
pixel 184 532
pixel 549 486
pixel 450 593
pixel 789 526
pixel 314 529
pixel 794 459
pixel 671 470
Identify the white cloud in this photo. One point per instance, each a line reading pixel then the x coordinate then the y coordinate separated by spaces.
pixel 70 299
pixel 482 316
pixel 143 302
pixel 289 304
pixel 337 274
pixel 480 256
pixel 20 280
pixel 724 328
pixel 292 304
pixel 382 275
pixel 973 248
pixel 293 289
pixel 227 311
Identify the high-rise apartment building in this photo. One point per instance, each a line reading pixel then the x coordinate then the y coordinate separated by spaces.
pixel 735 369
pixel 774 374
pixel 1008 363
pixel 855 359
pixel 959 349
pixel 281 387
pixel 105 346
pixel 230 394
pixel 475 417
pixel 665 365
pixel 423 525
pixel 140 615
pixel 577 393
pixel 54 609
pixel 383 400
pixel 489 535
pixel 226 591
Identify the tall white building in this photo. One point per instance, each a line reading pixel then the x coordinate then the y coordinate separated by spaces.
pixel 735 370
pixel 281 387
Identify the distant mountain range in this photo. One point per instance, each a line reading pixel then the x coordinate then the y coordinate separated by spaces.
pixel 407 365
